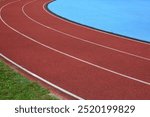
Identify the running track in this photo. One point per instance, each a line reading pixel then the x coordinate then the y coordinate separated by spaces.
pixel 82 62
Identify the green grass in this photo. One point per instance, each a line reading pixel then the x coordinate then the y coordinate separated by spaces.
pixel 14 86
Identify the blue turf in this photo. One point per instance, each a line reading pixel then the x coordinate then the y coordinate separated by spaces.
pixel 125 17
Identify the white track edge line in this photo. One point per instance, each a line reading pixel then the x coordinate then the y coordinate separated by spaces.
pixel 96 30
pixel 70 56
pixel 40 78
pixel 78 38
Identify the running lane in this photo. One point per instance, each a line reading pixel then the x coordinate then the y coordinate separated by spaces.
pixel 49 19
pixel 96 54
pixel 66 69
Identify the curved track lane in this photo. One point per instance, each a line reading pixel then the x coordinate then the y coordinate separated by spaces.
pixel 75 58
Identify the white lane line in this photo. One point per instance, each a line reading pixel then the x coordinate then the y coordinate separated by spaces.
pixel 78 38
pixel 91 28
pixel 29 72
pixel 70 56
pixel 42 79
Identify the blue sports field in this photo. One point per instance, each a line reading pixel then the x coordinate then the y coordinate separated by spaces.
pixel 129 18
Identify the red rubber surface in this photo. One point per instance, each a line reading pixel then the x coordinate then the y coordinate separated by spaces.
pixel 80 78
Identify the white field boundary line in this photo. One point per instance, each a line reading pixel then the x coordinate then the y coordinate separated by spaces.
pixel 68 55
pixel 40 78
pixel 81 39
pixel 91 28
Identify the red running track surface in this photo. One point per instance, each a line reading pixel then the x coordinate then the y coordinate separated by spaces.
pixel 88 63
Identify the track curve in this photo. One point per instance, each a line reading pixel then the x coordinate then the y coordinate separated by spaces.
pixel 69 55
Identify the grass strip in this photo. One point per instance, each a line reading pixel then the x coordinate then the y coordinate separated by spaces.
pixel 14 86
